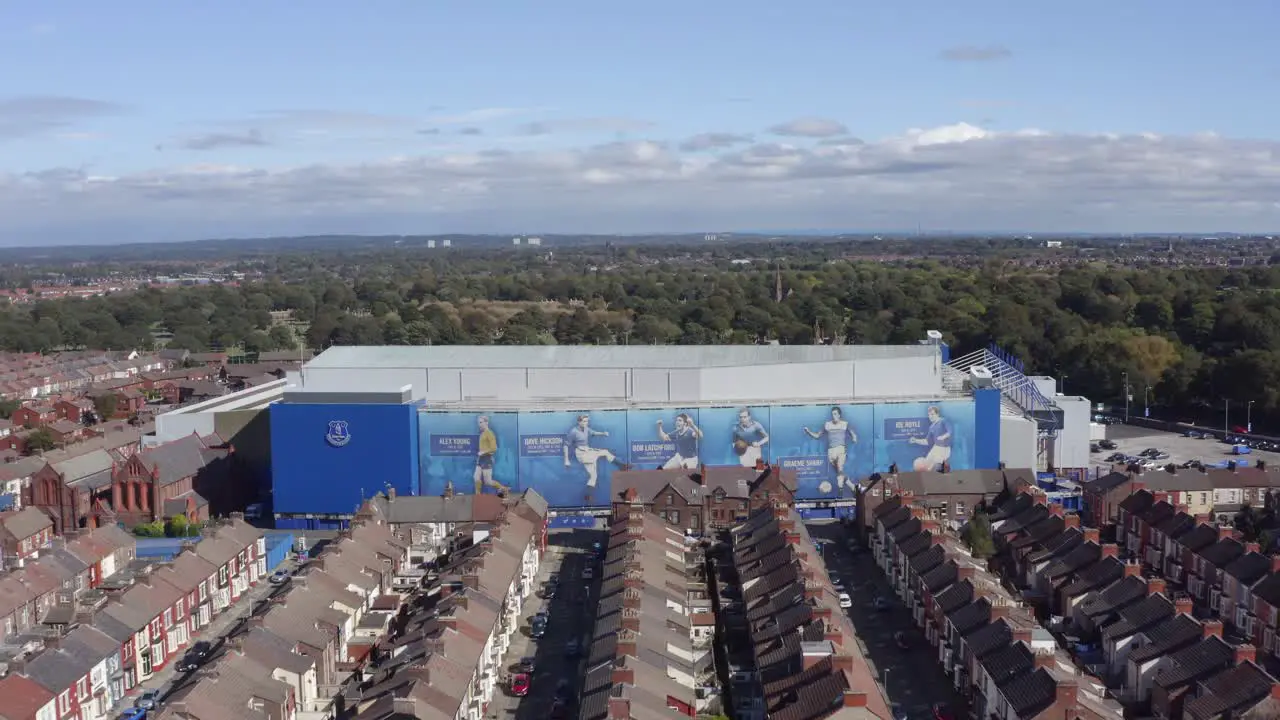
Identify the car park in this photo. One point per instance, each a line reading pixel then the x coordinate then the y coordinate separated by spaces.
pixel 520 684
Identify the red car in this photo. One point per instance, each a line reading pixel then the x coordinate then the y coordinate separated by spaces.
pixel 942 712
pixel 520 684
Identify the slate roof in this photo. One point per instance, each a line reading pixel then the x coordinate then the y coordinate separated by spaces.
pixel 1031 693
pixel 1233 690
pixel 1008 662
pixel 1268 589
pixel 1059 544
pixel 1106 483
pixel 1139 616
pixel 182 458
pixel 1011 507
pixel 1175 525
pixel 1080 557
pixel 1249 567
pixel 1199 537
pixel 1172 634
pixel 941 576
pixel 1040 533
pixel 1117 595
pixel 986 640
pixel 955 597
pixel 1221 553
pixel 972 616
pixel 1137 502
pixel 1023 520
pixel 24 523
pixel 1195 662
pixel 1098 575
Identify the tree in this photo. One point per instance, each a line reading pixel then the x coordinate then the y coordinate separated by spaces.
pixel 106 405
pixel 7 407
pixel 40 440
pixel 977 535
pixel 152 529
pixel 177 526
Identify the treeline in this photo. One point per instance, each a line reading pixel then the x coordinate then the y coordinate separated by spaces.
pixel 1193 336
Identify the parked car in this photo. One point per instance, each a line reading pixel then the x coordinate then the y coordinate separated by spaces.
pixel 881 603
pixel 549 590
pixel 148 700
pixel 279 577
pixel 538 626
pixel 559 710
pixel 942 712
pixel 527 664
pixel 1107 444
pixel 1117 457
pixel 1095 448
pixel 133 713
pixel 845 600
pixel 1149 453
pixel 520 684
pixel 572 648
pixel 902 640
pixel 588 573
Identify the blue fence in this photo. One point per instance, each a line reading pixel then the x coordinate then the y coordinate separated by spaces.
pixel 279 545
pixel 565 522
pixel 162 549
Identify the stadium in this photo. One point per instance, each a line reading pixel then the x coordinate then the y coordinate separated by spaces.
pixel 356 421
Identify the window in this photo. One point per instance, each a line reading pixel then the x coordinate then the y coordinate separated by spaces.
pixel 204 591
pixel 675 517
pixel 64 702
pixel 695 520
pixel 960 509
pixel 671 498
pixel 168 617
pixel 222 575
pixel 944 507
pixel 1204 498
pixel 82 687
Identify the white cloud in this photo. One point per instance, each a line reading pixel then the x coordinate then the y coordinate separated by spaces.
pixel 959 176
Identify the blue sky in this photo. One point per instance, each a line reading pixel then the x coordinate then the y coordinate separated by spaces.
pixel 162 120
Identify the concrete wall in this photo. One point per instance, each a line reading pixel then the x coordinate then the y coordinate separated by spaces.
pixel 863 379
pixel 1018 442
pixel 1071 447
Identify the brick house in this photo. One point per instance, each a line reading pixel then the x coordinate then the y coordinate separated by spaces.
pixel 34 415
pixel 73 410
pixel 712 498
pixel 1102 497
pixel 161 482
pixel 65 432
pixel 22 534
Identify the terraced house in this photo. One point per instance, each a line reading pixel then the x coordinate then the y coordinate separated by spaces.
pixel 651 649
pixel 791 649
pixel 444 654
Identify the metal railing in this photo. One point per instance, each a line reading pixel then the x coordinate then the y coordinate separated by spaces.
pixel 1013 384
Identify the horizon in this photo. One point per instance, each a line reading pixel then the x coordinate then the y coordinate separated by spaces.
pixel 514 120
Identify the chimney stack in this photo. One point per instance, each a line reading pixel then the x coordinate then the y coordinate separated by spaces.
pixel 1071 521
pixel 1091 535
pixel 1182 605
pixel 1110 550
pixel 1246 653
pixel 1275 563
pixel 1044 660
pixel 1066 693
pixel 1211 628
pixel 1159 496
pixel 1133 568
pixel 1252 547
pixel 855 699
pixel 1155 585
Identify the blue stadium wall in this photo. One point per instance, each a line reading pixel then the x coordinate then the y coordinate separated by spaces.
pixel 312 476
pixel 534 448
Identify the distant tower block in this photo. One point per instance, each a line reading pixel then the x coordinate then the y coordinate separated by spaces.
pixel 533 241
pixel 447 243
pixel 431 243
pixel 711 237
pixel 515 241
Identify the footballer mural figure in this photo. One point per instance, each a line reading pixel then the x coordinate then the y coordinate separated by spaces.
pixel 839 434
pixel 938 440
pixel 686 437
pixel 749 436
pixel 577 445
pixel 485 455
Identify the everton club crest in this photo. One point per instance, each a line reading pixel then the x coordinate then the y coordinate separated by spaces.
pixel 338 434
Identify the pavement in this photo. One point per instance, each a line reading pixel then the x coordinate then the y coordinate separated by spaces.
pixel 572 613
pixel 1131 440
pixel 913 679
pixel 231 622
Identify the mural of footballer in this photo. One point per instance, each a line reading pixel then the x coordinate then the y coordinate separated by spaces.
pixel 938 440
pixel 577 443
pixel 686 437
pixel 749 436
pixel 487 451
pixel 839 434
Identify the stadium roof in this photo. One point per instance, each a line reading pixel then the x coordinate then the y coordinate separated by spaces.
pixel 603 356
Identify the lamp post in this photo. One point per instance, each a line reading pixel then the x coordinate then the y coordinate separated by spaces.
pixel 1146 402
pixel 1226 418
pixel 1126 397
pixel 1063 389
pixel 1248 417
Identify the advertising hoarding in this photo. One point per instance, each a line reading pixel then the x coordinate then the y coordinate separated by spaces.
pixel 829 447
pixel 571 463
pixel 923 436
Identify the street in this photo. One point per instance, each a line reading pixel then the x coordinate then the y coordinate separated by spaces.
pixel 913 679
pixel 231 622
pixel 572 613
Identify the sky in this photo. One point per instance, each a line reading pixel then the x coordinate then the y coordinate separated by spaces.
pixel 140 120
